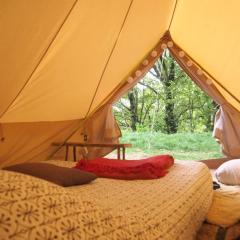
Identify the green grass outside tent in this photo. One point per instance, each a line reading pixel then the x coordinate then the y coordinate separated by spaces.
pixel 183 146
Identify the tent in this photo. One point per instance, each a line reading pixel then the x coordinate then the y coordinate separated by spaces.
pixel 64 63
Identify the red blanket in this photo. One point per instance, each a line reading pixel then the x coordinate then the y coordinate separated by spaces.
pixel 149 168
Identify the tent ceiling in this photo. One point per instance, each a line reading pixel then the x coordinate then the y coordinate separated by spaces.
pixel 63 85
pixel 26 29
pixel 103 38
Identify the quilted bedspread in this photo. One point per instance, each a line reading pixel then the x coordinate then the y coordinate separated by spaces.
pixel 172 207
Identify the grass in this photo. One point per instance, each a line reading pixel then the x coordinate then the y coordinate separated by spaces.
pixel 183 146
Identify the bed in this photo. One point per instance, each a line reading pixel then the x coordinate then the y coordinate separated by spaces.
pixel 172 207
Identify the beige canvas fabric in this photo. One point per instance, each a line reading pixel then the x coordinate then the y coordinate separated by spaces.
pixel 26 29
pixel 68 61
pixel 226 130
pixel 102 122
pixel 22 142
pixel 209 32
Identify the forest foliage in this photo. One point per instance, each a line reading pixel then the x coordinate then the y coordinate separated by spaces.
pixel 166 100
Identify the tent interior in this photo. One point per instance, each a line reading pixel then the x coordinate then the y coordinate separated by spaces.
pixel 65 63
pixel 59 70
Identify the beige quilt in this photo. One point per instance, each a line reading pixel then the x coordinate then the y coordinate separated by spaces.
pixel 169 208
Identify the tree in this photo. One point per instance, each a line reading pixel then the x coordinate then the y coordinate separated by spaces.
pixel 167 72
pixel 134 109
pixel 166 100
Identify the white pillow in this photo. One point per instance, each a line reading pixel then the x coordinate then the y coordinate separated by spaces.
pixel 229 172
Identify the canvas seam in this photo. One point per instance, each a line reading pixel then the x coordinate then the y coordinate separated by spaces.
pixel 109 57
pixel 174 10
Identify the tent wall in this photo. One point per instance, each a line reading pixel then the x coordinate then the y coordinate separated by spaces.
pixel 22 142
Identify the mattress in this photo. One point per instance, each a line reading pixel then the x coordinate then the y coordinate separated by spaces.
pixel 172 207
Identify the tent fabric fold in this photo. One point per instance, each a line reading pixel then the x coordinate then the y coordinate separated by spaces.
pixel 101 127
pixel 226 131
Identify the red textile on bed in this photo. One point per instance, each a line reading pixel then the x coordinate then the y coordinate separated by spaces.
pixel 149 168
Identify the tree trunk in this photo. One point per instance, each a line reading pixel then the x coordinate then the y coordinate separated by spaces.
pixel 170 118
pixel 133 110
pixel 211 117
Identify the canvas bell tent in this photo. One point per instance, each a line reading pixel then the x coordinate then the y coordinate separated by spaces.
pixel 63 63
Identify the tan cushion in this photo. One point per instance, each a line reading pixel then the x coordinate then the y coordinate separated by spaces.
pixel 59 175
pixel 229 172
pixel 225 208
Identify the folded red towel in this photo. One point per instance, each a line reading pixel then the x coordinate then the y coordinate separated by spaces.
pixel 149 168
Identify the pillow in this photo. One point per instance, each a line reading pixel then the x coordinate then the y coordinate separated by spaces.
pixel 59 175
pixel 229 172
